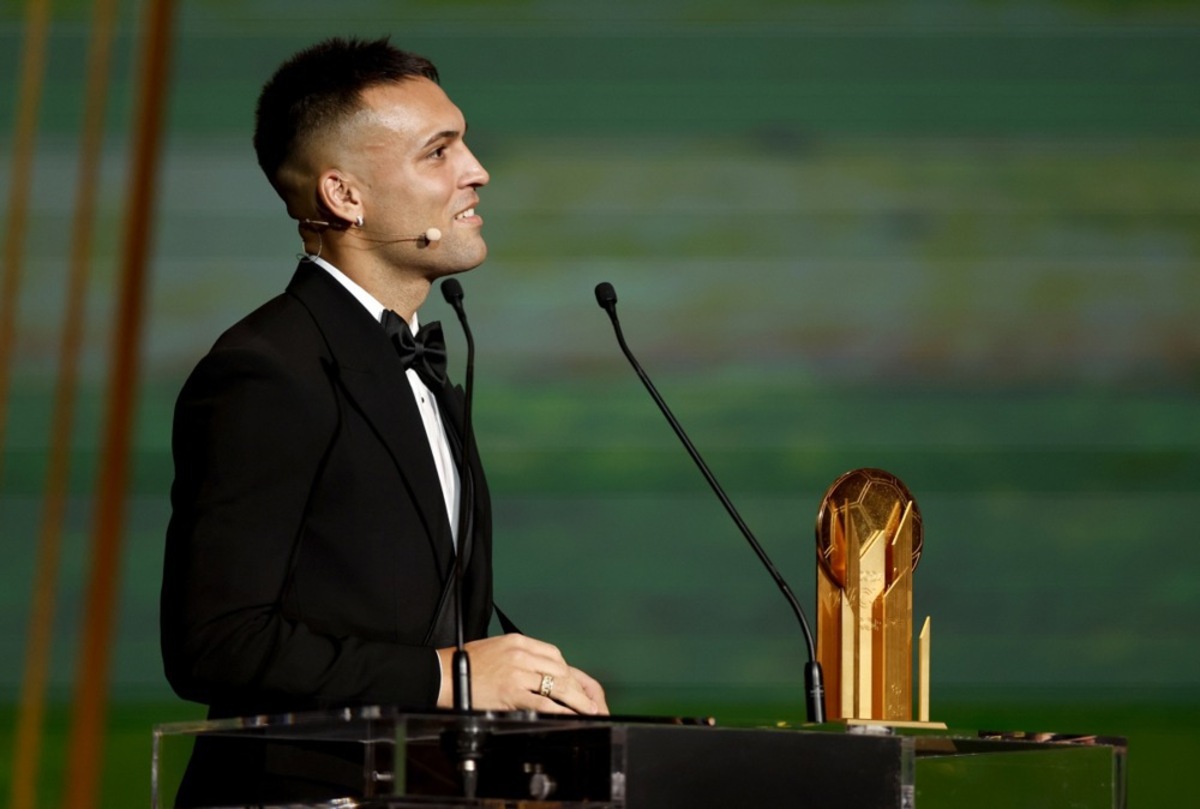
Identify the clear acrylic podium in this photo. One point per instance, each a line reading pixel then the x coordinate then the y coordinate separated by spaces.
pixel 388 758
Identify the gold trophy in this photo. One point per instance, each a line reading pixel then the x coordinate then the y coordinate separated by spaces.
pixel 869 541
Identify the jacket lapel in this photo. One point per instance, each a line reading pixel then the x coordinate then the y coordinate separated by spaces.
pixel 374 381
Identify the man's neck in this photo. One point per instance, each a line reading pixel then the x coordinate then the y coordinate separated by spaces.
pixel 401 292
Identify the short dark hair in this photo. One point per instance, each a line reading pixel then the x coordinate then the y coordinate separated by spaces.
pixel 320 86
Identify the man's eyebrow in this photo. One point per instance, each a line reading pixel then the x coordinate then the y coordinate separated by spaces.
pixel 445 134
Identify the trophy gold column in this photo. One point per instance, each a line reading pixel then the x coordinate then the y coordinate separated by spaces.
pixel 869 541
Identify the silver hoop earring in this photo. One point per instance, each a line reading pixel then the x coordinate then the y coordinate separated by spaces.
pixel 359 221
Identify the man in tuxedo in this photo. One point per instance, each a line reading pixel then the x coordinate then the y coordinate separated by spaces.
pixel 313 535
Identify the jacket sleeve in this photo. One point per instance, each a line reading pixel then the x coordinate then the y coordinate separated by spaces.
pixel 249 438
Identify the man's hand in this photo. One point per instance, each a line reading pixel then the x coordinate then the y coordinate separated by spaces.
pixel 507 673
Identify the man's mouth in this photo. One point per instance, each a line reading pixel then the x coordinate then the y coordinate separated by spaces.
pixel 465 214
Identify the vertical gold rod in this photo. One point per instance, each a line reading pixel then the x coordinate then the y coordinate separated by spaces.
pixel 829 633
pixel 852 674
pixel 27 746
pixel 926 640
pixel 33 69
pixel 898 623
pixel 870 585
pixel 86 745
pixel 831 601
pixel 31 710
pixel 847 686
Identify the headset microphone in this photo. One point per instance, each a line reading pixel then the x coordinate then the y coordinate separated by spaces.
pixel 430 235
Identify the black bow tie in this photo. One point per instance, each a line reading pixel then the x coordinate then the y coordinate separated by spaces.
pixel 425 353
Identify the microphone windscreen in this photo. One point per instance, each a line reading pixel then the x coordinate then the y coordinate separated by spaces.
pixel 606 296
pixel 452 291
pixel 433 235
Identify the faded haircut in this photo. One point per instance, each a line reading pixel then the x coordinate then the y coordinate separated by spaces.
pixel 319 88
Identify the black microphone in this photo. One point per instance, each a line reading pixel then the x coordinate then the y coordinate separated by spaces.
pixel 453 293
pixel 468 741
pixel 814 680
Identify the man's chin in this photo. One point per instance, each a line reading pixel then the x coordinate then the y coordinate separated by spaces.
pixel 458 267
pixel 469 260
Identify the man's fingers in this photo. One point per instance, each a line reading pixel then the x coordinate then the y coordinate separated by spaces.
pixel 563 690
pixel 593 689
pixel 519 672
pixel 547 705
pixel 570 692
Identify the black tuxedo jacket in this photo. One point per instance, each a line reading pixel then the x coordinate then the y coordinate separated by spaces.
pixel 309 550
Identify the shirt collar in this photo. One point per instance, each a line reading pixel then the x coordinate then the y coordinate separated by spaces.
pixel 374 307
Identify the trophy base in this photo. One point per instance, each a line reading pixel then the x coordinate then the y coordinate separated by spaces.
pixel 893 723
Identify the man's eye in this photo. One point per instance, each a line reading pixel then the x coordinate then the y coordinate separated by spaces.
pixel 439 152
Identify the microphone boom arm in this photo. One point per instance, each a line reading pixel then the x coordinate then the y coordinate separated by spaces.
pixel 606 296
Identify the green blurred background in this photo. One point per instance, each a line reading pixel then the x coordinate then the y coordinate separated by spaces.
pixel 956 240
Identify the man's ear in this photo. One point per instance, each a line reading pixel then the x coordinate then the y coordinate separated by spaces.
pixel 338 195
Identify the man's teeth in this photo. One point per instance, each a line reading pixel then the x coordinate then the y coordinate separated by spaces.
pixel 466 213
